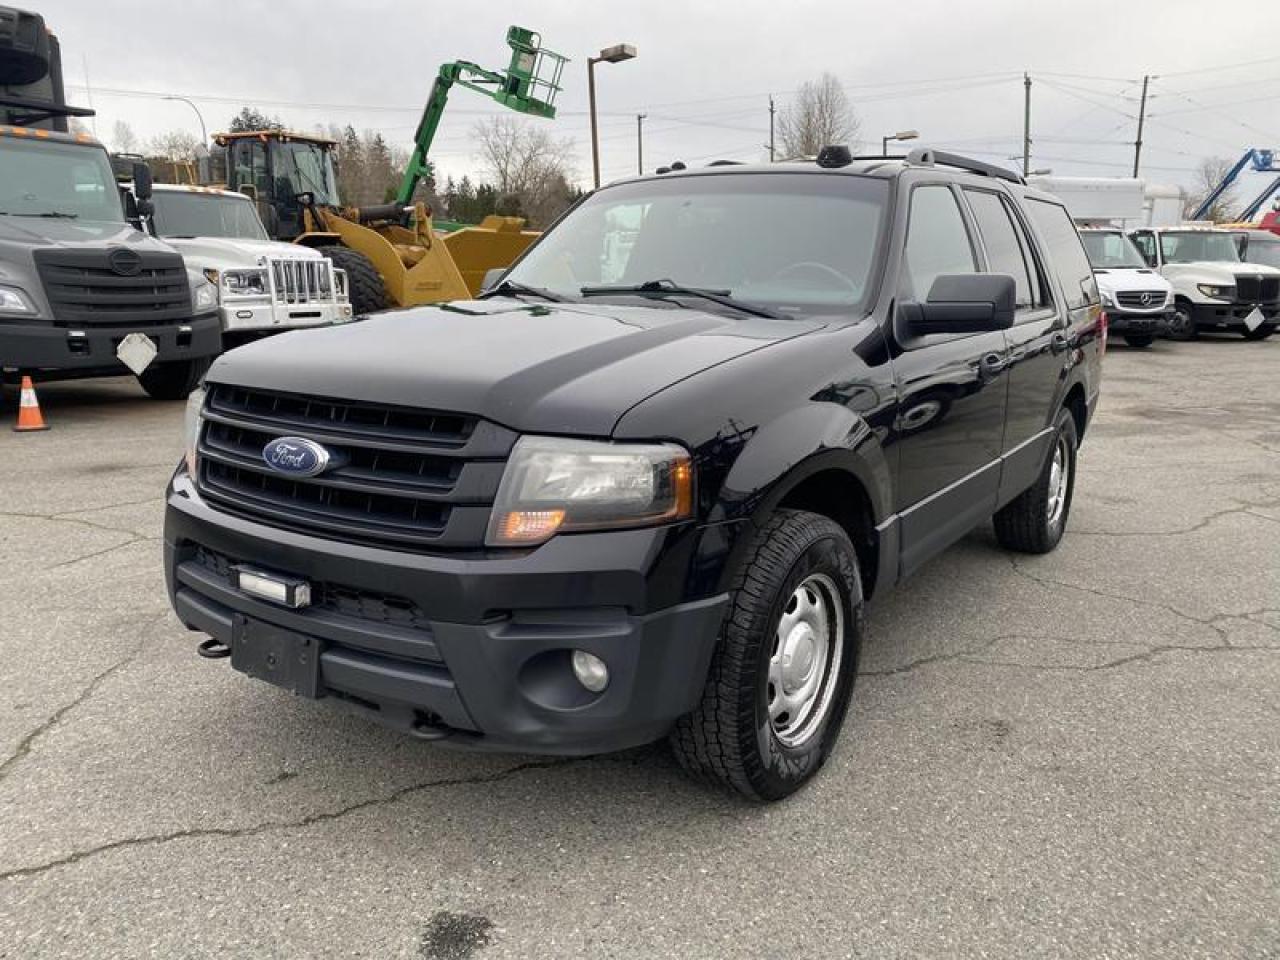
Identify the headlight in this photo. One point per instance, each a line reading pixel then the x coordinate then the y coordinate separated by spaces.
pixel 1213 290
pixel 205 296
pixel 553 485
pixel 1106 299
pixel 14 301
pixel 191 427
pixel 245 283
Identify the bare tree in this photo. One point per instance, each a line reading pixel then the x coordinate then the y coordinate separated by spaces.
pixel 820 114
pixel 1208 175
pixel 530 168
pixel 123 139
pixel 176 145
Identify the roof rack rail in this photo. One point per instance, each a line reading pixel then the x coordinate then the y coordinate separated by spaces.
pixel 927 157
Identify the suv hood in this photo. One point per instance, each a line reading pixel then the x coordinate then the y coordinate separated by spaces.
pixel 559 368
pixel 52 232
pixel 225 252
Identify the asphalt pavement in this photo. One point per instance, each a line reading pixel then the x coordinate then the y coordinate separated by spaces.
pixel 1075 755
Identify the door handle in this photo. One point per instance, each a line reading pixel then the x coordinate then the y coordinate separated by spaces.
pixel 992 363
pixel 1059 342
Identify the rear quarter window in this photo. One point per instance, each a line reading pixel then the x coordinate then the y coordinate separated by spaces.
pixel 1064 251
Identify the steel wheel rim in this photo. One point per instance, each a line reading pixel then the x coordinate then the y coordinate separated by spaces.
pixel 1181 320
pixel 1058 482
pixel 804 664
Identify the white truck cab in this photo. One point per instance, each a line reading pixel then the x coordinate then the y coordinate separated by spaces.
pixel 263 285
pixel 1213 289
pixel 1139 302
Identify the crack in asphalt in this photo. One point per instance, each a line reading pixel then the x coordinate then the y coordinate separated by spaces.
pixel 196 833
pixel 1244 508
pixel 102 552
pixel 68 518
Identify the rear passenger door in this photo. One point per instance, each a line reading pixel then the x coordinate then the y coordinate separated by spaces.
pixel 950 423
pixel 1036 340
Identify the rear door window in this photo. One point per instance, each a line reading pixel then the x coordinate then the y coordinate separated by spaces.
pixel 1007 251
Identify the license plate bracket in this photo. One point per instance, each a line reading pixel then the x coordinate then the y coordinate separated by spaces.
pixel 280 657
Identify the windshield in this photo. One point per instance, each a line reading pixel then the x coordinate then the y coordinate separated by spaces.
pixel 1190 246
pixel 797 242
pixel 302 167
pixel 1111 250
pixel 47 178
pixel 182 214
pixel 1264 249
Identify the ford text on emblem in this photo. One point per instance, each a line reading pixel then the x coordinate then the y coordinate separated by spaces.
pixel 125 262
pixel 296 456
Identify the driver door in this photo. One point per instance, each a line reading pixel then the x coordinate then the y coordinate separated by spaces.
pixel 249 170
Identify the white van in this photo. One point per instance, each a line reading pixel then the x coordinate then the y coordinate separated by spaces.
pixel 1138 301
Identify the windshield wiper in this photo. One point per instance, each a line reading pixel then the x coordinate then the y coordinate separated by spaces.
pixel 513 288
pixel 51 214
pixel 669 288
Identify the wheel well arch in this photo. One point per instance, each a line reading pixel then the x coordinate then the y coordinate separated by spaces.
pixel 1075 402
pixel 840 496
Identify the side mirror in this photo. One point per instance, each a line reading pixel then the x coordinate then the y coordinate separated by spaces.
pixel 491 278
pixel 142 181
pixel 964 303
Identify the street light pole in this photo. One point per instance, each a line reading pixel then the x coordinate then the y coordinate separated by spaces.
pixel 204 133
pixel 640 143
pixel 900 135
pixel 615 54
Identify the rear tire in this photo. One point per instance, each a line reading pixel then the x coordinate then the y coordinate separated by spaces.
pixel 173 380
pixel 1034 521
pixel 783 670
pixel 1182 326
pixel 364 284
pixel 1260 334
pixel 1139 340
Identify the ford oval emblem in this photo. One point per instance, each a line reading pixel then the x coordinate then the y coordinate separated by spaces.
pixel 296 456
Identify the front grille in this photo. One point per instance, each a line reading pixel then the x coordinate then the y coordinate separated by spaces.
pixel 1253 289
pixel 1133 299
pixel 84 291
pixel 298 281
pixel 402 478
pixel 336 598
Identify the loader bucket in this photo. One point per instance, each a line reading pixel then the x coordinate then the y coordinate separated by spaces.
pixel 496 242
pixel 412 272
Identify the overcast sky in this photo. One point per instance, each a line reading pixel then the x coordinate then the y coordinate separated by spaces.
pixel 705 72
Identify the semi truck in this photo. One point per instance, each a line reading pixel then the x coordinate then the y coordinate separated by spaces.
pixel 82 291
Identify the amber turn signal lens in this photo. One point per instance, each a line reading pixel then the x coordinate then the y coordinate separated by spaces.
pixel 529 526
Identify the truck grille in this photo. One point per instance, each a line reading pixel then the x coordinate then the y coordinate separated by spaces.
pixel 294 280
pixel 1133 299
pixel 84 290
pixel 406 479
pixel 1251 289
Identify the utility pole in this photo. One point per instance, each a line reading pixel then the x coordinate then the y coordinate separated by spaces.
pixel 772 111
pixel 1026 124
pixel 640 143
pixel 1142 116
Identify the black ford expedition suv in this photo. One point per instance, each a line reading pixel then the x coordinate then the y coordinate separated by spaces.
pixel 646 483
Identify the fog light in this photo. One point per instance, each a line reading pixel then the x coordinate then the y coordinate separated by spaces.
pixel 590 671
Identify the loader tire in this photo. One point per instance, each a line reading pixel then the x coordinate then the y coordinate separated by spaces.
pixel 364 284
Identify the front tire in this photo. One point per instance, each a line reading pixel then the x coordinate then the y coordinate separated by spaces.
pixel 174 379
pixel 364 284
pixel 1034 521
pixel 1139 340
pixel 1182 325
pixel 783 671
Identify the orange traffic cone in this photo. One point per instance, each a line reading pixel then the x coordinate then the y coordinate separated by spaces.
pixel 29 416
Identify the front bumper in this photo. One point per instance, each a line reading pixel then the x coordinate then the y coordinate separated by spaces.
pixel 471 650
pixel 1220 315
pixel 263 317
pixel 40 346
pixel 1122 321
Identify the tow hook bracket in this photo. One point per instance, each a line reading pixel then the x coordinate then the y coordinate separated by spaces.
pixel 212 649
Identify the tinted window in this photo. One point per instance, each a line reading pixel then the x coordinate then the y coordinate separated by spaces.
pixel 1005 253
pixel 1146 245
pixel 1066 253
pixel 937 241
